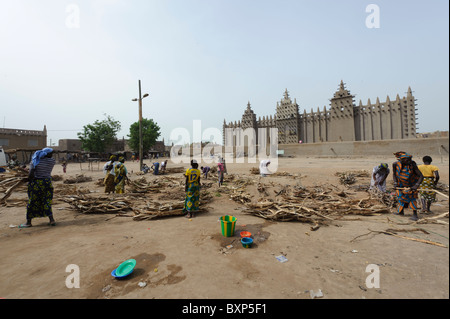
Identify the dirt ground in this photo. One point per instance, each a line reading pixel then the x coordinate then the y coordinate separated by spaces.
pixel 180 258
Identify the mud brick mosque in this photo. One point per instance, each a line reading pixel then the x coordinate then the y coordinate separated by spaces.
pixel 343 121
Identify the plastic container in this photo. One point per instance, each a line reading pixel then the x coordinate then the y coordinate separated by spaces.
pixel 228 225
pixel 125 268
pixel 246 234
pixel 247 242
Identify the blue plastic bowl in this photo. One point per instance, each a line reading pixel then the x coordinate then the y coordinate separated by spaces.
pixel 246 242
pixel 113 273
pixel 125 268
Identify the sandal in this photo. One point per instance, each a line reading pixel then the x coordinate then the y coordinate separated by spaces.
pixel 25 225
pixel 52 224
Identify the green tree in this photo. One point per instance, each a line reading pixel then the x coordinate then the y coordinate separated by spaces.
pixel 98 136
pixel 150 132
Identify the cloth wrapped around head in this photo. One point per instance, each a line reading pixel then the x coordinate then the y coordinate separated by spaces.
pixel 404 156
pixel 398 154
pixel 112 158
pixel 384 165
pixel 40 154
pixel 121 159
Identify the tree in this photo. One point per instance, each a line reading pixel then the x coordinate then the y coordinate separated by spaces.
pixel 150 132
pixel 98 136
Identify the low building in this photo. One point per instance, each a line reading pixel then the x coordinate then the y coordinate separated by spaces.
pixel 26 141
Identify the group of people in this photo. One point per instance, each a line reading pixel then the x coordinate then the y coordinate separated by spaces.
pixel 116 175
pixel 156 167
pixel 221 171
pixel 410 180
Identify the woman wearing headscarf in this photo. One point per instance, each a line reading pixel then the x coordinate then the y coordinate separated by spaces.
pixel 379 176
pixel 192 189
pixel 264 168
pixel 407 179
pixel 108 169
pixel 120 172
pixel 40 188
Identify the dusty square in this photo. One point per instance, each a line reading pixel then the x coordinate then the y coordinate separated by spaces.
pixel 180 258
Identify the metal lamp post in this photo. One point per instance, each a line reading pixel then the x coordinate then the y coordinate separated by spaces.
pixel 141 143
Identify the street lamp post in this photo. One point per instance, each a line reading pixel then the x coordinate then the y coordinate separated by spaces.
pixel 141 143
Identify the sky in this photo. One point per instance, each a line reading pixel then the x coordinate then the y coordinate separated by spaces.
pixel 67 63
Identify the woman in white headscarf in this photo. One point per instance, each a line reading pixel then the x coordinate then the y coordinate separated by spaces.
pixel 263 168
pixel 40 188
pixel 379 175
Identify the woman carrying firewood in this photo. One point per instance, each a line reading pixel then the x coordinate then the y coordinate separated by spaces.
pixel 40 188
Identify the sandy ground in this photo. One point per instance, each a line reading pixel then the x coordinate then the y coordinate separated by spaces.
pixel 179 258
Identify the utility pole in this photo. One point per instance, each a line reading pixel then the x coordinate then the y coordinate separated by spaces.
pixel 141 142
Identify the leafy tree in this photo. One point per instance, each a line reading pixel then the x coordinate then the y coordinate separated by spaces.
pixel 98 136
pixel 150 132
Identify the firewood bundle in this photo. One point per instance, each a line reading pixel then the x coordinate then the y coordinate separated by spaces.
pixel 349 177
pixel 77 179
pixel 317 205
pixel 99 205
pixel 142 186
pixel 157 210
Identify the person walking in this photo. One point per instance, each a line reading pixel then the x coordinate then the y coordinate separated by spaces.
pixel 40 187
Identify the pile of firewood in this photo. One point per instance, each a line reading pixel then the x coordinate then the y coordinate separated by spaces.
pixel 142 186
pixel 316 205
pixel 77 179
pixel 99 205
pixel 348 178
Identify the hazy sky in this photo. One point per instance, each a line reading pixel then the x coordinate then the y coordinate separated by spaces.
pixel 65 64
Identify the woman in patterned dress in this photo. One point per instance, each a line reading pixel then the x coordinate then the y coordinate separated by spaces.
pixel 430 178
pixel 120 176
pixel 407 179
pixel 40 188
pixel 192 188
pixel 108 169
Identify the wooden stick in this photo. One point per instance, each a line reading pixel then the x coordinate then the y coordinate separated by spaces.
pixel 404 237
pixel 416 239
pixel 9 191
pixel 425 190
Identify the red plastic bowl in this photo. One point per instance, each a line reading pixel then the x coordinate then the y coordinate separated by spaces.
pixel 245 234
